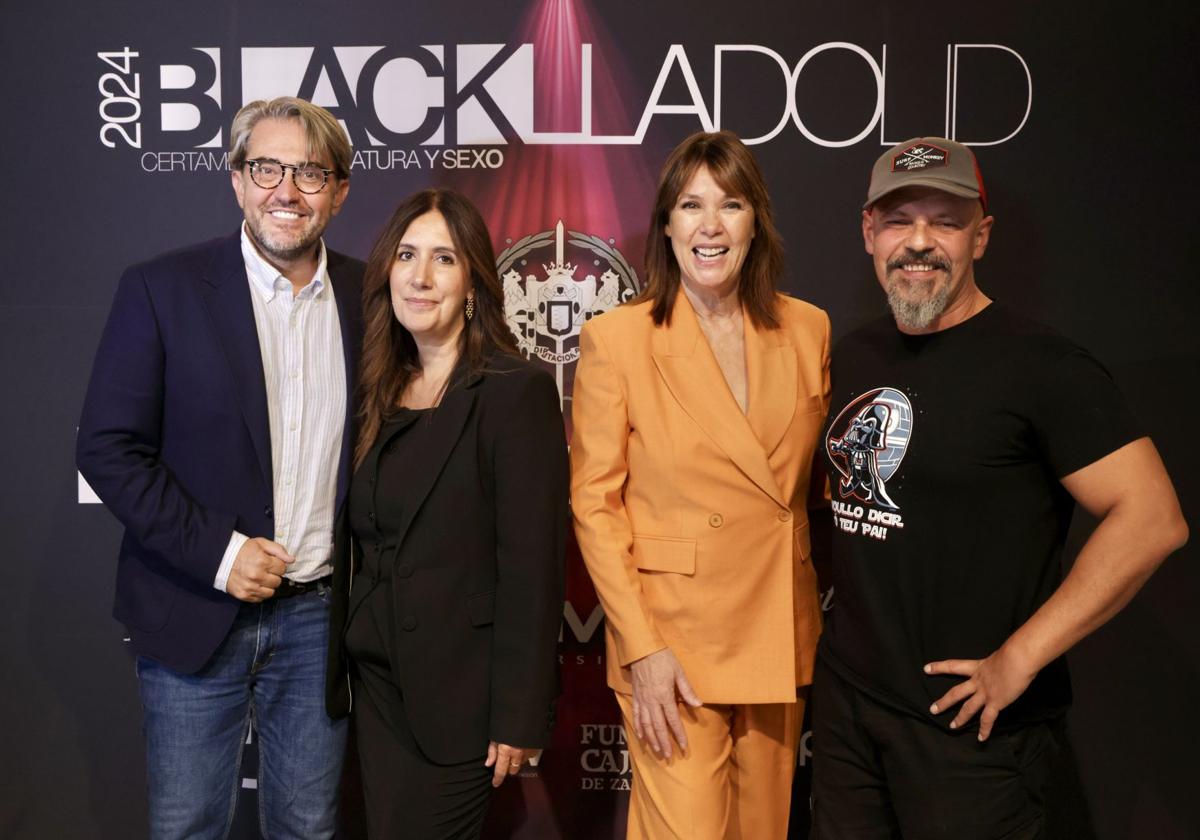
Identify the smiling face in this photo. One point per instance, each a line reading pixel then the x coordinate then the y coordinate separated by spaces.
pixel 924 243
pixel 429 281
pixel 710 233
pixel 284 223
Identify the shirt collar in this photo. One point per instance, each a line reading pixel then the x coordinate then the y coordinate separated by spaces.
pixel 267 280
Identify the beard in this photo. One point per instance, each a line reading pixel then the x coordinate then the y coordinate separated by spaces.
pixel 920 313
pixel 280 246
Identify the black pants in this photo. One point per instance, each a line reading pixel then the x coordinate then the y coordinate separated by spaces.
pixel 407 796
pixel 880 774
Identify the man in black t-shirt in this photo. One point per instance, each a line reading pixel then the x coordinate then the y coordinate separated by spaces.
pixel 961 436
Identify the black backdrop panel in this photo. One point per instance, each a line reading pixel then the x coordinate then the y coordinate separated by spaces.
pixel 1085 124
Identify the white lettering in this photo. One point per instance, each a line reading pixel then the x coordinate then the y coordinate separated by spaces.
pixel 605 761
pixel 397 97
pixel 875 68
pixel 605 734
pixel 885 517
pixel 675 55
pixel 789 81
pixel 954 95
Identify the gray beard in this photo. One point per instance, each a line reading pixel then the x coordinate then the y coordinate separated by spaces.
pixel 916 315
pixel 284 250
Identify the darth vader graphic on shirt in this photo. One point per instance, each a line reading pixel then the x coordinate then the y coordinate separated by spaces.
pixel 867 442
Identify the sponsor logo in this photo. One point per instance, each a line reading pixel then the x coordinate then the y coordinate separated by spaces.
pixel 581 631
pixel 603 757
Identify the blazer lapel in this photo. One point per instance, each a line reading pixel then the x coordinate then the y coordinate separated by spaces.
pixel 690 370
pixel 226 295
pixel 771 373
pixel 346 294
pixel 448 421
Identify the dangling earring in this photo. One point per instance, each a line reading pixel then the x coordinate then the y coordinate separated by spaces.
pixel 470 307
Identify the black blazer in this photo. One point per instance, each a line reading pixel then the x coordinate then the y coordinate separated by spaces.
pixel 476 568
pixel 175 438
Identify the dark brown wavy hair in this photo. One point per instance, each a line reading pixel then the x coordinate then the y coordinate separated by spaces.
pixel 736 171
pixel 389 356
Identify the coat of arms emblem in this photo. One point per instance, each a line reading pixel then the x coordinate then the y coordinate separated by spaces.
pixel 547 308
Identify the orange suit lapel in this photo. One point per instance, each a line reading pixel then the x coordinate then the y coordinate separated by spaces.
pixel 771 374
pixel 688 367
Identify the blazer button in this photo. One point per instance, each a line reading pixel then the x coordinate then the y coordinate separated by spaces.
pixel 784 515
pixel 404 570
pixel 716 520
pixel 267 511
pixel 409 622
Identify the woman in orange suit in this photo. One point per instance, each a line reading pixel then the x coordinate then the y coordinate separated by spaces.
pixel 697 409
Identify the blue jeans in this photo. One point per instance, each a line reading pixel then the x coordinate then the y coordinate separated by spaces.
pixel 269 671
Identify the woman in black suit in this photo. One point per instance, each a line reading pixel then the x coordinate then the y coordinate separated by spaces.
pixel 448 577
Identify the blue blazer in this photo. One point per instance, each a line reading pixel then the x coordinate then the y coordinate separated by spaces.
pixel 175 438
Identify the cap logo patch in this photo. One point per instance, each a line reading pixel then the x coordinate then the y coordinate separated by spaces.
pixel 920 156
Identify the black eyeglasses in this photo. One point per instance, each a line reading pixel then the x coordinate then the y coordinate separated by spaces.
pixel 308 178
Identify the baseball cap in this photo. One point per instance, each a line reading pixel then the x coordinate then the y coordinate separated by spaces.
pixel 927 162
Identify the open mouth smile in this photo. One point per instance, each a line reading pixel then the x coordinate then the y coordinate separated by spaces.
pixel 918 267
pixel 284 215
pixel 710 254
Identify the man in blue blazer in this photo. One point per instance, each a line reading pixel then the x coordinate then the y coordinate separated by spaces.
pixel 217 429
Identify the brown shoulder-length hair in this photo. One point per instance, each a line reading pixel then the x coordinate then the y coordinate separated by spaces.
pixel 736 171
pixel 389 356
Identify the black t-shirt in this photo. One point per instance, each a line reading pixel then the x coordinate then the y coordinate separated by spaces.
pixel 945 454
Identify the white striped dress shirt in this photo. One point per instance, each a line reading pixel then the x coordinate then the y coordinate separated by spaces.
pixel 304 367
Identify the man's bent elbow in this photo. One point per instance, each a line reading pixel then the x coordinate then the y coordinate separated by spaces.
pixel 1176 536
pixel 1163 527
pixel 1166 533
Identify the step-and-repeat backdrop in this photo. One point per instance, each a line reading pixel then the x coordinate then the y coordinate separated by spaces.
pixel 555 116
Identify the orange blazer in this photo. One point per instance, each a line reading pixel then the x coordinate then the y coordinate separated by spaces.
pixel 692 516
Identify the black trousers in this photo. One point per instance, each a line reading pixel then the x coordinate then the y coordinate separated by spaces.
pixel 881 774
pixel 407 796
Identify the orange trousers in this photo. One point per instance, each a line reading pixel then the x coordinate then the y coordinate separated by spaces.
pixel 733 783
